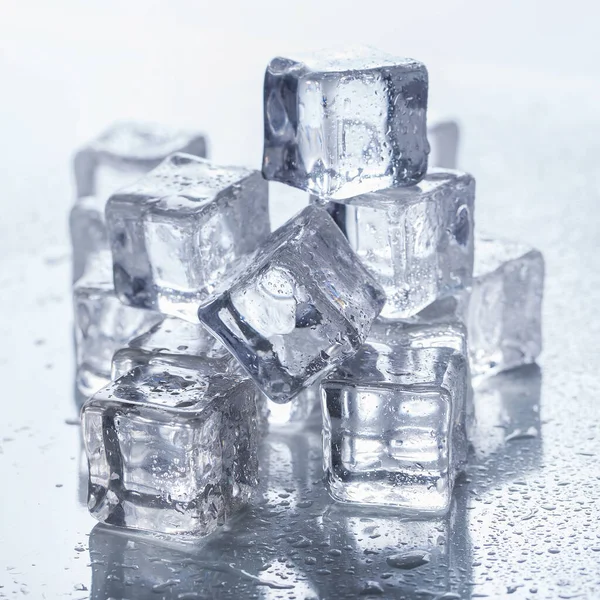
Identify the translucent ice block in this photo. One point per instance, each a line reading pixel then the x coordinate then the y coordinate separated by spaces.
pixel 302 306
pixel 117 158
pixel 443 137
pixel 125 152
pixel 342 123
pixel 504 317
pixel 171 450
pixel 178 231
pixel 102 323
pixel 174 342
pixel 394 427
pixel 417 242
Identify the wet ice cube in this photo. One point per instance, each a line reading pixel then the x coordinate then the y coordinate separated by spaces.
pixel 174 341
pixel 178 231
pixel 504 317
pixel 171 450
pixel 117 158
pixel 303 305
pixel 342 123
pixel 125 152
pixel 417 242
pixel 102 323
pixel 443 137
pixel 394 427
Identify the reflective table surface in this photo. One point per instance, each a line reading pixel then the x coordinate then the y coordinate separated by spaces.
pixel 524 521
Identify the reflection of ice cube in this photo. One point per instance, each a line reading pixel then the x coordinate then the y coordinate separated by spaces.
pixel 176 233
pixel 303 305
pixel 116 159
pixel 504 316
pixel 395 426
pixel 417 242
pixel 102 323
pixel 338 124
pixel 171 450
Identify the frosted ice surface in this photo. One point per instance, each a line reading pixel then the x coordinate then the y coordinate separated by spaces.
pixel 417 242
pixel 171 450
pixel 177 232
pixel 102 323
pixel 395 426
pixel 504 317
pixel 342 123
pixel 303 305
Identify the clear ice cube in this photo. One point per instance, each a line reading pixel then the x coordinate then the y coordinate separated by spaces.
pixel 171 450
pixel 443 137
pixel 117 158
pixel 417 242
pixel 178 231
pixel 395 427
pixel 342 123
pixel 302 306
pixel 125 152
pixel 102 324
pixel 504 317
pixel 174 342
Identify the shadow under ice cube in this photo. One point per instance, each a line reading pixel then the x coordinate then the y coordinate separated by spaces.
pixel 171 450
pixel 394 427
pixel 103 324
pixel 302 306
pixel 176 233
pixel 417 242
pixel 338 124
pixel 504 316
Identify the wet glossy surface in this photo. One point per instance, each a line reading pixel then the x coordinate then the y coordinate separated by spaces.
pixel 526 521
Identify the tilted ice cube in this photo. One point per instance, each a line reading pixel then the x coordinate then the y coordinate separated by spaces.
pixel 394 427
pixel 177 232
pixel 505 310
pixel 102 323
pixel 174 342
pixel 125 152
pixel 443 135
pixel 171 450
pixel 338 124
pixel 117 158
pixel 417 242
pixel 303 305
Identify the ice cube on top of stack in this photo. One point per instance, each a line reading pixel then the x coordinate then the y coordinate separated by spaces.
pixel 119 156
pixel 303 304
pixel 342 123
pixel 176 233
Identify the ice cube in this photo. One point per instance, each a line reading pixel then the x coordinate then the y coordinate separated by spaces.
pixel 395 427
pixel 117 158
pixel 177 232
pixel 504 317
pixel 102 323
pixel 342 123
pixel 417 242
pixel 302 306
pixel 300 411
pixel 174 341
pixel 171 450
pixel 443 137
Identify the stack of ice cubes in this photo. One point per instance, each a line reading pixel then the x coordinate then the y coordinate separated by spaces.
pixel 198 328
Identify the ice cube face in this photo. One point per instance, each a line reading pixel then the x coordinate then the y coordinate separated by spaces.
pixel 417 242
pixel 176 233
pixel 88 232
pixel 103 325
pixel 339 124
pixel 394 427
pixel 302 306
pixel 174 342
pixel 171 450
pixel 504 317
pixel 127 151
